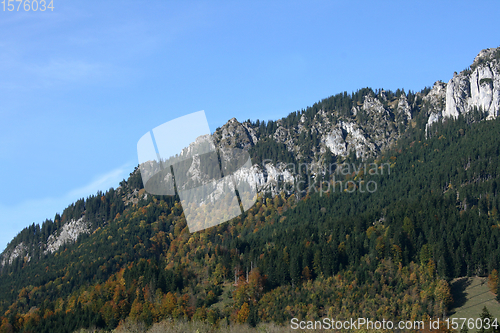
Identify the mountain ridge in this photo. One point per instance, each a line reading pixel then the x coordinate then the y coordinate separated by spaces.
pixel 365 123
pixel 306 253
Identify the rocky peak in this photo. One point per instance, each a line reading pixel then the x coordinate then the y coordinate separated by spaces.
pixel 436 101
pixel 477 88
pixel 368 122
pixel 486 55
pixel 403 109
pixel 373 105
pixel 364 123
pixel 436 95
pixel 235 134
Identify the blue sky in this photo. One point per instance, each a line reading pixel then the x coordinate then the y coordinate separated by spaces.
pixel 81 84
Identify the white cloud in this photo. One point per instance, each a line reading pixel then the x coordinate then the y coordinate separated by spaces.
pixel 102 182
pixel 15 218
pixel 66 70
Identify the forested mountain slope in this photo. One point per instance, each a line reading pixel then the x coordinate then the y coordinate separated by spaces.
pixel 432 215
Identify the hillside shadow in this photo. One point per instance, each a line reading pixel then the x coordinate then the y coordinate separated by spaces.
pixel 458 292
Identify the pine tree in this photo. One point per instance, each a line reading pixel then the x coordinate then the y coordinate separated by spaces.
pixel 498 292
pixel 486 314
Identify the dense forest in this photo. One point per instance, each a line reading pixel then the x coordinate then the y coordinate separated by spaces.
pixel 388 253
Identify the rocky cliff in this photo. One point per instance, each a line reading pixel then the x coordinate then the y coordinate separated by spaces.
pixel 361 125
pixel 68 233
pixel 373 120
pixel 476 88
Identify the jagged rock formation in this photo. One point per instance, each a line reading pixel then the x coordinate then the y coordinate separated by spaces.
pixel 68 233
pixel 435 101
pixel 370 127
pixel 477 88
pixel 374 123
pixel 366 125
pixel 236 134
pixel 8 256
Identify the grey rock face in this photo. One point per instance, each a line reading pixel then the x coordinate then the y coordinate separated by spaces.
pixel 21 250
pixel 485 88
pixel 477 88
pixel 346 137
pixel 436 100
pixel 235 134
pixel 404 110
pixel 68 233
pixel 457 92
pixel 366 127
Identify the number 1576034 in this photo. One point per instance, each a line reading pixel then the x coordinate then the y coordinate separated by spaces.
pixel 27 5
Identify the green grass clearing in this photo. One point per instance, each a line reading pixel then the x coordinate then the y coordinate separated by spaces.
pixel 470 295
